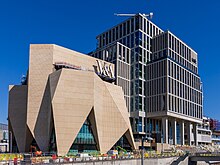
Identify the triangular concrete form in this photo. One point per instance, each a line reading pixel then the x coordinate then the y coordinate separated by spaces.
pixel 18 114
pixel 54 79
pixel 71 96
pixel 40 62
pixel 42 134
pixel 42 127
pixel 117 96
pixel 72 103
pixel 98 107
pixel 111 122
pixel 68 96
pixel 29 139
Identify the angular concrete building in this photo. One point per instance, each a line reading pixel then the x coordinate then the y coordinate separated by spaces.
pixel 68 102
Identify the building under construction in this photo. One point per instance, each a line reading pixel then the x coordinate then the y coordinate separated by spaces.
pixel 214 124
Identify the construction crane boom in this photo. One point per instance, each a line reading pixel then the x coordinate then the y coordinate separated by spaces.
pixel 126 15
pixel 150 15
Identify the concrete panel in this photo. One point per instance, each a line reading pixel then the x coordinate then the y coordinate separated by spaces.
pixel 17 113
pixel 40 66
pixel 66 125
pixel 117 95
pixel 70 96
pixel 42 129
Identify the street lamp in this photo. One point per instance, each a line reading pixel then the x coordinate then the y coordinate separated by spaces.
pixel 144 138
pixel 10 141
pixel 162 142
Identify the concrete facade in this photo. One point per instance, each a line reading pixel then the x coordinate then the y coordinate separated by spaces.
pixel 64 89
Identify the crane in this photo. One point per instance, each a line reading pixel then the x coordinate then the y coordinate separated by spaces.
pixel 150 15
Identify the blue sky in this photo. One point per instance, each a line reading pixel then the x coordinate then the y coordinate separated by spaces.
pixel 75 24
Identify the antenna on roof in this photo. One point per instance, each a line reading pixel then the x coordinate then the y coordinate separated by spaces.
pixel 150 15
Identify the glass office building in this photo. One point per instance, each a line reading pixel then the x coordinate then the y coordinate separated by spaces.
pixel 133 37
pixel 159 75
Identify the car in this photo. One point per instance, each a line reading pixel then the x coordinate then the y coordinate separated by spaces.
pixel 84 156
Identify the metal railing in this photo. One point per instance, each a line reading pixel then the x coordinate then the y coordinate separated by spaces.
pixel 205 154
pixel 50 158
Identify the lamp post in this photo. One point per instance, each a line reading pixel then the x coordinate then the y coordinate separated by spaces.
pixel 142 150
pixel 144 138
pixel 162 142
pixel 10 141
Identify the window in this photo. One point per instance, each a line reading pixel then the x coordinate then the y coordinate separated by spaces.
pixel 116 33
pixel 136 22
pixel 132 40
pixel 140 103
pixel 132 104
pixel 113 34
pixel 128 27
pixel 124 29
pixel 132 24
pixel 140 124
pixel 136 103
pixel 120 33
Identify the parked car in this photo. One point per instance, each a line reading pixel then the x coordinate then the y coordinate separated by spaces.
pixel 84 156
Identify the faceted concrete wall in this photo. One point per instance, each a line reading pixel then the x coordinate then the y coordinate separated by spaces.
pixel 63 99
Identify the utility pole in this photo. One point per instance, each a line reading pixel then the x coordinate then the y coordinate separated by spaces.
pixel 144 138
pixel 142 150
pixel 10 142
